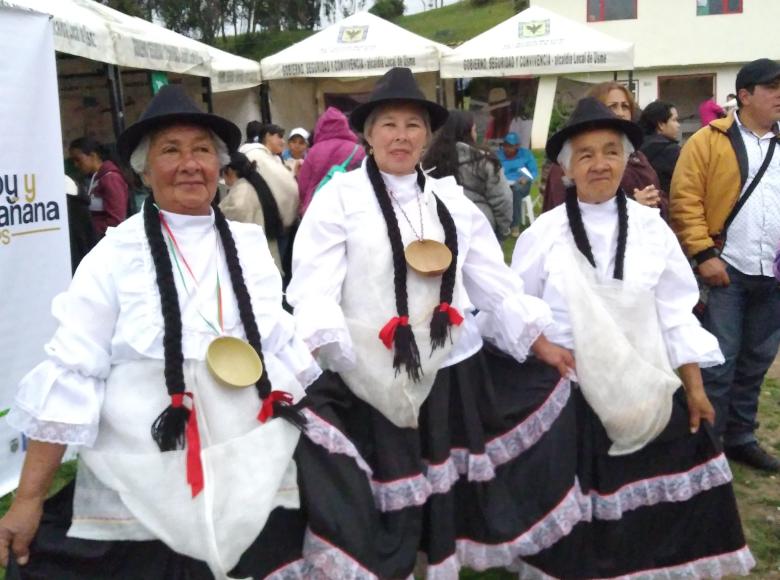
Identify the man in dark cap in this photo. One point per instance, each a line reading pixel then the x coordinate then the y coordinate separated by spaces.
pixel 728 180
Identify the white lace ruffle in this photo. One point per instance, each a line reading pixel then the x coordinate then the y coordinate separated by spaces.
pixel 525 435
pixel 543 534
pixel 297 570
pixel 737 563
pixel 309 375
pixel 552 527
pixel 328 561
pixel 673 487
pixel 326 435
pixel 447 569
pixel 397 495
pixel 51 431
pixel 439 478
pixel 442 476
pixel 334 346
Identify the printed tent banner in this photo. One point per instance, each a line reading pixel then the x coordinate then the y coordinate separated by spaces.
pixel 537 41
pixel 34 240
pixel 231 73
pixel 359 46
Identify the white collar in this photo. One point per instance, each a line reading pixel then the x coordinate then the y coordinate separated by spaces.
pixel 768 135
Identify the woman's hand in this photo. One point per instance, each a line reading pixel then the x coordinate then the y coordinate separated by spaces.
pixel 699 409
pixel 699 406
pixel 17 529
pixel 554 355
pixel 649 196
pixel 18 526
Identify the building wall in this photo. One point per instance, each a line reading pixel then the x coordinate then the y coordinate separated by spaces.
pixel 672 42
pixel 669 33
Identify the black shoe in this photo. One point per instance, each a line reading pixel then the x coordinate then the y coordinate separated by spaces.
pixel 753 455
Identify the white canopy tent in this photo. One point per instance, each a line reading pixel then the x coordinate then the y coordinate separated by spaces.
pixel 90 30
pixel 539 42
pixel 338 59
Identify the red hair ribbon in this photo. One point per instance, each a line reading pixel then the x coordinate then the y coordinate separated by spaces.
pixel 267 410
pixel 387 334
pixel 194 466
pixel 455 317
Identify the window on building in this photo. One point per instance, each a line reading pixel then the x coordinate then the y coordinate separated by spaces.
pixel 705 7
pixel 600 10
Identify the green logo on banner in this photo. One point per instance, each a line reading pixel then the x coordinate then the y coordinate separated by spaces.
pixel 534 28
pixel 159 80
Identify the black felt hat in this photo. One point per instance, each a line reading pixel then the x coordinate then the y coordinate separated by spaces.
pixel 589 114
pixel 397 86
pixel 170 106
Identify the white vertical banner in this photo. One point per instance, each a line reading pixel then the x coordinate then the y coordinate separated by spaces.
pixel 34 241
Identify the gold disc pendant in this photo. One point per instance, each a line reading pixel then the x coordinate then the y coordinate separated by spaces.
pixel 428 257
pixel 233 362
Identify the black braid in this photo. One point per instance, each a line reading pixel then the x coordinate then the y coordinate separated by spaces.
pixel 620 257
pixel 576 225
pixel 168 428
pixel 406 352
pixel 247 315
pixel 581 236
pixel 440 322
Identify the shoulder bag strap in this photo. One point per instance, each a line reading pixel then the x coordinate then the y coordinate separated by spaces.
pixel 753 184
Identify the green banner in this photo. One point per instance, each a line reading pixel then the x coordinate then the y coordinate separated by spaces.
pixel 158 80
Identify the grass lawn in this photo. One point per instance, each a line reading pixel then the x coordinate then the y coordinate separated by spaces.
pixel 459 22
pixel 451 25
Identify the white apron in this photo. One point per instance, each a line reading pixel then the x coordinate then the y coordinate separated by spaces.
pixel 368 303
pixel 622 364
pixel 247 466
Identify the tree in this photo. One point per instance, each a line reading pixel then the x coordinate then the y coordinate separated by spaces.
pixel 388 9
pixel 206 19
pixel 139 8
pixel 333 8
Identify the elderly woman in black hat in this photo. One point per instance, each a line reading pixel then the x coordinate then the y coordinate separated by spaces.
pixel 411 446
pixel 183 473
pixel 653 481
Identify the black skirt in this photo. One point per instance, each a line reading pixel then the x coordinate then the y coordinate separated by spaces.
pixel 477 484
pixel 276 553
pixel 665 511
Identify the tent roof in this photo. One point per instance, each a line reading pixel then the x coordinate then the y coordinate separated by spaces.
pixel 91 30
pixel 537 41
pixel 360 45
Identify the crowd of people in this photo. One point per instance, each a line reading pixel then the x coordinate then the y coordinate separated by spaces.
pixel 414 404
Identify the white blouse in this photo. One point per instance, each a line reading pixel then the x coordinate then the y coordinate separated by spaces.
pixel 111 315
pixel 345 216
pixel 653 261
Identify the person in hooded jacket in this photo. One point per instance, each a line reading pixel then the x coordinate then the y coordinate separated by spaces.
pixel 661 126
pixel 334 142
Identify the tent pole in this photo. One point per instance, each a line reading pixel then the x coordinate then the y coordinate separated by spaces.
pixel 114 82
pixel 205 83
pixel 265 103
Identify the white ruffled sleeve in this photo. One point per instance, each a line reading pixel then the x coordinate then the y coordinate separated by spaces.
pixel 508 317
pixel 676 295
pixel 59 401
pixel 319 269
